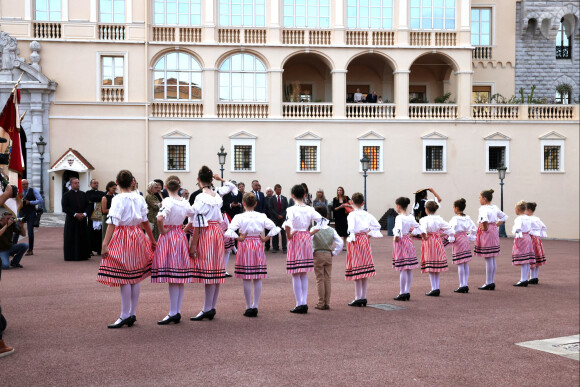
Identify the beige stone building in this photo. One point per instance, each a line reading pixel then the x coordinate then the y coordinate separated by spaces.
pixel 158 86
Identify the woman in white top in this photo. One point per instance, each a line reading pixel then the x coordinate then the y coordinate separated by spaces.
pixel 359 265
pixel 126 251
pixel 522 252
pixel 487 240
pixel 207 242
pixel 538 230
pixel 465 231
pixel 250 258
pixel 404 254
pixel 171 262
pixel 300 258
pixel 433 258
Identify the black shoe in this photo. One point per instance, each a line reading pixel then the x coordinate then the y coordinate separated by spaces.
pixel 176 318
pixel 522 284
pixel 228 275
pixel 248 312
pixel 134 318
pixel 267 249
pixel 363 302
pixel 487 287
pixel 401 297
pixel 299 309
pixel 462 289
pixel 275 251
pixel 433 293
pixel 355 303
pixel 408 296
pixel 533 281
pixel 284 251
pixel 127 321
pixel 254 312
pixel 209 315
pixel 16 265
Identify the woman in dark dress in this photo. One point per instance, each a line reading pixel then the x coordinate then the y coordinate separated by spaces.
pixel 110 191
pixel 339 203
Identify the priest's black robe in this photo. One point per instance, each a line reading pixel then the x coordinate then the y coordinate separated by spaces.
pixel 95 236
pixel 76 241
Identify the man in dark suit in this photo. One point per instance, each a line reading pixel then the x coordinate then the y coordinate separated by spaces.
pixel 233 203
pixel 261 205
pixel 76 242
pixel 278 205
pixel 94 196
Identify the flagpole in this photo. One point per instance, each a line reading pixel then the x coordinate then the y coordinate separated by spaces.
pixel 17 83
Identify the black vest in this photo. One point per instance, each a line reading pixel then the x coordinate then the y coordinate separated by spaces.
pixel 28 207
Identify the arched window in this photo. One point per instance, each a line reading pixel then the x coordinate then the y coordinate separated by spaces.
pixel 563 44
pixel 242 77
pixel 177 76
pixel 177 12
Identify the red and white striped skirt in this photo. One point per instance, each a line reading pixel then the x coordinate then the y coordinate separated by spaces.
pixel 171 262
pixel 538 251
pixel 359 259
pixel 487 242
pixel 433 258
pixel 445 240
pixel 404 254
pixel 300 258
pixel 129 258
pixel 523 251
pixel 251 259
pixel 461 249
pixel 209 266
pixel 229 243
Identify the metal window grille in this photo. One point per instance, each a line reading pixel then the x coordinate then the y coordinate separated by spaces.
pixel 496 156
pixel 308 158
pixel 373 153
pixel 176 157
pixel 551 158
pixel 242 157
pixel 434 158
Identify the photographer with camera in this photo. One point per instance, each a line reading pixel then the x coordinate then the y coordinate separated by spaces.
pixel 30 199
pixel 9 226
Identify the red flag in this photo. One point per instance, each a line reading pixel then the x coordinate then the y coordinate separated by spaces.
pixel 10 122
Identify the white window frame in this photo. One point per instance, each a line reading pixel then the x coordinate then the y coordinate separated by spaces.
pixel 497 143
pixel 99 80
pixel 231 73
pixel 306 8
pixel 126 12
pixel 491 8
pixel 189 14
pixel 229 14
pixel 175 141
pixel 179 71
pixel 434 142
pixel 361 144
pixel 382 17
pixel 421 18
pixel 308 142
pixel 61 12
pixel 554 142
pixel 242 141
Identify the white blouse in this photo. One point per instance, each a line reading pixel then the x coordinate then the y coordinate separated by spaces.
pixel 538 227
pixel 174 211
pixel 207 208
pixel 127 209
pixel 463 224
pixel 491 213
pixel 360 221
pixel 404 224
pixel 251 223
pixel 435 224
pixel 522 224
pixel 300 216
pixel 226 189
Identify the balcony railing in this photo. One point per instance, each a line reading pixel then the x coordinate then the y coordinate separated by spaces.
pixel 370 111
pixel 307 110
pixel 112 93
pixel 242 35
pixel 428 38
pixel 242 110
pixel 552 112
pixel 433 111
pixel 481 52
pixel 175 109
pixel 307 37
pixel 176 34
pixel 112 32
pixel 41 30
pixel 370 38
pixel 485 111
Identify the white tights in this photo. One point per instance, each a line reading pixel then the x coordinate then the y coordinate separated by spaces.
pixel 129 300
pixel 463 271
pixel 175 298
pixel 490 268
pixel 405 277
pixel 534 271
pixel 227 259
pixel 300 285
pixel 211 295
pixel 525 271
pixel 248 292
pixel 434 278
pixel 360 288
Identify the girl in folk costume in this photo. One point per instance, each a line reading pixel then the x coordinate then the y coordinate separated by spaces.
pixel 538 230
pixel 465 231
pixel 523 251
pixel 404 255
pixel 300 259
pixel 433 259
pixel 359 257
pixel 126 251
pixel 171 262
pixel 207 242
pixel 250 258
pixel 487 240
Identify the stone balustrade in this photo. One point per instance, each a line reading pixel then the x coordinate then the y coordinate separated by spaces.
pixel 485 111
pixel 433 111
pixel 307 37
pixel 242 35
pixel 111 32
pixel 481 52
pixel 112 93
pixel 176 109
pixel 45 30
pixel 242 110
pixel 370 111
pixel 313 110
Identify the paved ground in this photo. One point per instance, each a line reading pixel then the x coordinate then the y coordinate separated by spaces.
pixel 57 315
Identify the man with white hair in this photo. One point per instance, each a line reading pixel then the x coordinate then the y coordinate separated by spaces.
pixel 30 199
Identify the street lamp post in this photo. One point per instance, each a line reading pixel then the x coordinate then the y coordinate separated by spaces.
pixel 222 160
pixel 365 162
pixel 501 174
pixel 41 145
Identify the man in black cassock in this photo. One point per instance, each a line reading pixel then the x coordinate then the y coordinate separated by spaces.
pixel 76 242
pixel 94 196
